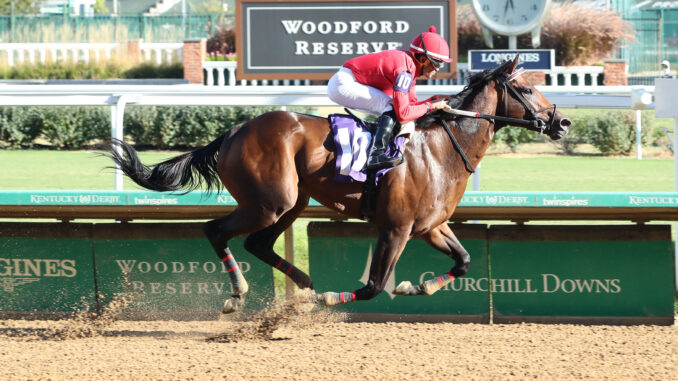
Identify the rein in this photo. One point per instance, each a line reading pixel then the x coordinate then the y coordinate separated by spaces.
pixel 534 121
pixel 455 143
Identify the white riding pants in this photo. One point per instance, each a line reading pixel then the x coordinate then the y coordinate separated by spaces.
pixel 343 89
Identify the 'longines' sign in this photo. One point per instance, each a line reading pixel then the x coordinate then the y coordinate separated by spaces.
pixel 311 40
pixel 530 59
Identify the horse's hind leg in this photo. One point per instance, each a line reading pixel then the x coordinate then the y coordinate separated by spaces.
pixel 260 244
pixel 219 232
pixel 443 239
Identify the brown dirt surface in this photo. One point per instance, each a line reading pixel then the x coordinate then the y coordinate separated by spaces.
pixel 290 342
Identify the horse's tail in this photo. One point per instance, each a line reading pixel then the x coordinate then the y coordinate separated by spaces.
pixel 184 172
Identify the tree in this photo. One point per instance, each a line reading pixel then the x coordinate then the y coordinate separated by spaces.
pixel 20 6
pixel 100 7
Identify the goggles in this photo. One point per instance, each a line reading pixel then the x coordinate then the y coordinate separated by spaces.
pixel 438 64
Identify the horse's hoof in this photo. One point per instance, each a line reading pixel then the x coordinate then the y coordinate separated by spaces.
pixel 329 299
pixel 333 298
pixel 233 304
pixel 403 288
pixel 306 295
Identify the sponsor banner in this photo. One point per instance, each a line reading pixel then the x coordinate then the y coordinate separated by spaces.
pixel 530 59
pixel 141 198
pixel 539 272
pixel 46 274
pixel 121 198
pixel 340 262
pixel 180 275
pixel 313 39
pixel 63 198
pixel 571 199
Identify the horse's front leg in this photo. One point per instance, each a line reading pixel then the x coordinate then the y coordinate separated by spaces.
pixel 443 239
pixel 389 247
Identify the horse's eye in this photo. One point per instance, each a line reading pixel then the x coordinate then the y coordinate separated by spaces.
pixel 527 91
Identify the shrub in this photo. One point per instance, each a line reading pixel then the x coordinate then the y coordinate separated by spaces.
pixel 222 42
pixel 81 70
pixel 181 127
pixel 150 70
pixel 583 34
pixel 514 136
pixel 469 33
pixel 613 132
pixel 75 127
pixel 19 126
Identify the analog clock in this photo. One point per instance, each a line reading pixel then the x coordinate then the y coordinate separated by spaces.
pixel 511 17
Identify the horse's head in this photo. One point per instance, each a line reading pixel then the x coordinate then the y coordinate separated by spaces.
pixel 518 99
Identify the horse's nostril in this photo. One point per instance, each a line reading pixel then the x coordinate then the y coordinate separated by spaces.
pixel 565 122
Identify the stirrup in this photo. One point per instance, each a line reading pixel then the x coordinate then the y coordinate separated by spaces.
pixel 382 161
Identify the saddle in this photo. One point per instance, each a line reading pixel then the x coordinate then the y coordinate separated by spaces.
pixel 353 137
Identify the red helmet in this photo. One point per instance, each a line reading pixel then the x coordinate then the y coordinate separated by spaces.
pixel 432 44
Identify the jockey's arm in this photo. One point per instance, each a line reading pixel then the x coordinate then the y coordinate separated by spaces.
pixel 405 102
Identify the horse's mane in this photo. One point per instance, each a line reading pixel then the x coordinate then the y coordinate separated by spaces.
pixel 475 82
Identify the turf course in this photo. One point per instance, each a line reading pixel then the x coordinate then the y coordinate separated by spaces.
pixel 46 169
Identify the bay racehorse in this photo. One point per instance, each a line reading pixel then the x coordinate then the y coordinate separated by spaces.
pixel 273 163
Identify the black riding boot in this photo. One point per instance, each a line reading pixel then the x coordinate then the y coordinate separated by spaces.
pixel 382 137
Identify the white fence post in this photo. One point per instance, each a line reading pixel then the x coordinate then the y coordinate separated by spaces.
pixel 117 118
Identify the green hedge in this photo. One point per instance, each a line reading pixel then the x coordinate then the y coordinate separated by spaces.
pixel 166 127
pixel 611 132
pixel 163 127
pixel 94 70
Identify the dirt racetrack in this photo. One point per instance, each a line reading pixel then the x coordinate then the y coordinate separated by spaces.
pixel 285 344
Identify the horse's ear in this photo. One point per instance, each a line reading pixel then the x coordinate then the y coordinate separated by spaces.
pixel 514 64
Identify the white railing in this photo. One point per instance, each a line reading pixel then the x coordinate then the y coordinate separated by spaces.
pixel 13 53
pixel 162 52
pixel 580 72
pixel 222 73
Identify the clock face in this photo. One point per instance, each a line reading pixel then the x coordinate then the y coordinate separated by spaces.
pixel 511 17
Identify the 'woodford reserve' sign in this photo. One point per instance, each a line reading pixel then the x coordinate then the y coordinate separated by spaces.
pixel 311 40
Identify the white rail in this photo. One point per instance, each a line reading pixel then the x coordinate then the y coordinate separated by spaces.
pixel 162 52
pixel 615 97
pixel 570 72
pixel 17 53
pixel 222 73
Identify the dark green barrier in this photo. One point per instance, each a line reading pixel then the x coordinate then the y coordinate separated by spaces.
pixel 46 268
pixel 582 273
pixel 340 264
pixel 171 269
pixel 610 274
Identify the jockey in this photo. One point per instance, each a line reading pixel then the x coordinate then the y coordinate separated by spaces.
pixel 382 84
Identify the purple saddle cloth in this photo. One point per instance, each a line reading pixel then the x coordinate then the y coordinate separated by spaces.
pixel 352 139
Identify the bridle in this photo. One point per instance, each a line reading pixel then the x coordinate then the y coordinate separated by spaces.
pixel 533 120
